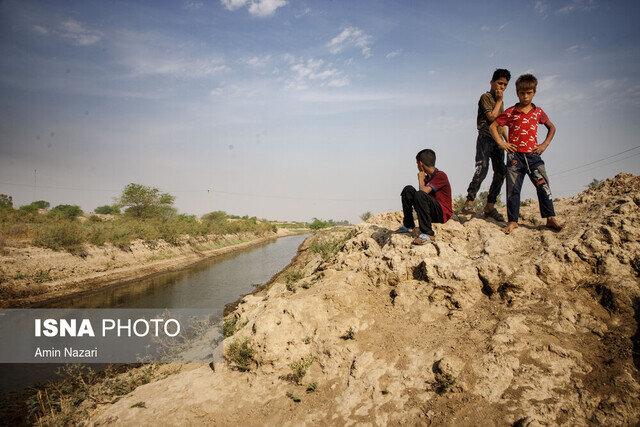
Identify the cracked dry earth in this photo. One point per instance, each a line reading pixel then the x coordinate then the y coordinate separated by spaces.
pixel 534 328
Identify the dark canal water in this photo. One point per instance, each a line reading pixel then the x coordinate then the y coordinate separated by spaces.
pixel 210 284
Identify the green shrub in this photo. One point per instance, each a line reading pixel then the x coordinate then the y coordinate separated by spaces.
pixel 365 216
pixel 62 235
pixel 6 202
pixel 299 369
pixel 41 204
pixel 41 276
pixel 240 354
pixel 229 326
pixel 107 210
pixel 29 209
pixel 215 216
pixel 317 224
pixel 327 248
pixel 66 211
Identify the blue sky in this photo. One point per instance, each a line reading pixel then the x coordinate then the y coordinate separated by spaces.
pixel 295 109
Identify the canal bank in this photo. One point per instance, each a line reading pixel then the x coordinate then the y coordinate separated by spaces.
pixel 211 284
pixel 42 277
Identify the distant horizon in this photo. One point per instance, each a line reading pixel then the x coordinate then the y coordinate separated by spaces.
pixel 294 109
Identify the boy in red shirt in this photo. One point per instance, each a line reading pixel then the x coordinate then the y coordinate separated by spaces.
pixel 523 152
pixel 432 201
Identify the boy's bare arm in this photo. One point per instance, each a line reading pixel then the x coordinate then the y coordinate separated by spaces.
pixel 551 131
pixel 503 132
pixel 502 142
pixel 495 112
pixel 421 183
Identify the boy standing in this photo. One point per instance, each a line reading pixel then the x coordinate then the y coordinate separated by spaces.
pixel 432 200
pixel 524 152
pixel 490 106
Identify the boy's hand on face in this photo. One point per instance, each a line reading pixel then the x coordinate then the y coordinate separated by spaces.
pixel 499 94
pixel 421 176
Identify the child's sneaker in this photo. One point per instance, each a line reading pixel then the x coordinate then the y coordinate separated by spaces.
pixel 403 230
pixel 421 239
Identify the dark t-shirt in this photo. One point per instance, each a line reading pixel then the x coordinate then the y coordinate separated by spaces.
pixel 439 183
pixel 485 105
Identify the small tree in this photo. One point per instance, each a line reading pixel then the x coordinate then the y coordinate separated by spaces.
pixel 141 201
pixel 107 209
pixel 365 216
pixel 215 216
pixel 6 202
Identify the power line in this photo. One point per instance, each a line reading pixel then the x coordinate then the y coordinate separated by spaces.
pixel 229 193
pixel 597 161
pixel 318 199
pixel 605 164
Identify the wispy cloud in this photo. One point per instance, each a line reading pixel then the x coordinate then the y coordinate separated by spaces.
pixel 259 8
pixel 351 37
pixel 393 53
pixel 70 30
pixel 314 72
pixel 193 4
pixel 257 61
pixel 79 34
pixel 579 6
pixel 147 54
pixel 541 6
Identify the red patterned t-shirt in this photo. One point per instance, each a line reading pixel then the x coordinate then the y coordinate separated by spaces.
pixel 523 127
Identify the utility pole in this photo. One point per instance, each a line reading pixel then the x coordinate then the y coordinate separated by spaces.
pixel 35 184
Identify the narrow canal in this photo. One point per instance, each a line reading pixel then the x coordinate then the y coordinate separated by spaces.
pixel 210 284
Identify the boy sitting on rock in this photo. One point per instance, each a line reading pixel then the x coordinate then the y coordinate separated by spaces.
pixel 524 152
pixel 432 200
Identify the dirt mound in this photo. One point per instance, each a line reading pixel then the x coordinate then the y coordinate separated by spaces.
pixel 530 328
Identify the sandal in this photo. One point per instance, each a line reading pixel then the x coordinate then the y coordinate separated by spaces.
pixel 421 239
pixel 494 214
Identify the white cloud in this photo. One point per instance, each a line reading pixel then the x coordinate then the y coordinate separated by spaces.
pixel 339 82
pixel 485 28
pixel 193 4
pixel 393 53
pixel 314 72
pixel 351 37
pixel 78 33
pixel 579 6
pixel 541 6
pixel 40 29
pixel 574 48
pixel 233 4
pixel 260 8
pixel 258 61
pixel 153 54
pixel 72 31
pixel 233 91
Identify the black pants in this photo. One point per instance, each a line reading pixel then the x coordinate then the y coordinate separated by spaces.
pixel 487 150
pixel 426 206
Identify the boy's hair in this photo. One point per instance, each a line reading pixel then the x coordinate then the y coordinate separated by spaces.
pixel 526 82
pixel 501 72
pixel 427 157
